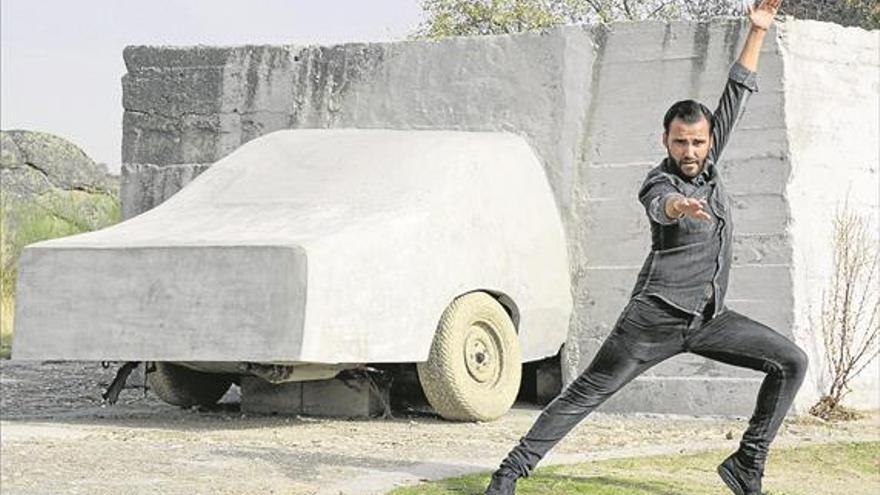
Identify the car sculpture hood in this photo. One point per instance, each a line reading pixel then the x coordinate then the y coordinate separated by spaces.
pixel 324 246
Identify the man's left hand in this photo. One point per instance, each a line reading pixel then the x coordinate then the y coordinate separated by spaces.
pixel 762 16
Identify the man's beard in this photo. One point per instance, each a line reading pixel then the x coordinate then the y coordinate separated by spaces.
pixel 678 166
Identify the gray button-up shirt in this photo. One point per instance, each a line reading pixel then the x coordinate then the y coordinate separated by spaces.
pixel 690 259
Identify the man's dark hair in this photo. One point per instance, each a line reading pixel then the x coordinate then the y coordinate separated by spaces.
pixel 689 111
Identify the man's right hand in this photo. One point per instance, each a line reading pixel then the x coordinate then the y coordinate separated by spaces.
pixel 678 206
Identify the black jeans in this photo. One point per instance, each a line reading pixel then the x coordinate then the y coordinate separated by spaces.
pixel 648 332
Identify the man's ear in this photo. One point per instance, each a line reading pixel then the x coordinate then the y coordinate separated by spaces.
pixel 664 138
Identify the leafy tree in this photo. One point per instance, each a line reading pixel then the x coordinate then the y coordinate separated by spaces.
pixel 481 17
pixel 861 13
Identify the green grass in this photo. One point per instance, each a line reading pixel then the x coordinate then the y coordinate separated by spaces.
pixel 51 215
pixel 7 304
pixel 840 468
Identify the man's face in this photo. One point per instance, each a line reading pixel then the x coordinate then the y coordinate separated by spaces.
pixel 688 145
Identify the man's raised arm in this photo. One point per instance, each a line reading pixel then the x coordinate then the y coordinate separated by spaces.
pixel 742 81
pixel 761 18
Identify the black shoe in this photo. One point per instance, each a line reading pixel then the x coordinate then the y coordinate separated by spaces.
pixel 740 479
pixel 503 483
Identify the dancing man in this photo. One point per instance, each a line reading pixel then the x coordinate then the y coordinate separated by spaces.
pixel 677 304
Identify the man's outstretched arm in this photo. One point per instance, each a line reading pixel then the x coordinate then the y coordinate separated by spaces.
pixel 761 18
pixel 742 81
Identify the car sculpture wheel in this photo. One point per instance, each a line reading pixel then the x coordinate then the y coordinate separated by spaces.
pixel 473 370
pixel 184 387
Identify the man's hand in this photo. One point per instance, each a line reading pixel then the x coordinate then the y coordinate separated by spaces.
pixel 678 206
pixel 762 16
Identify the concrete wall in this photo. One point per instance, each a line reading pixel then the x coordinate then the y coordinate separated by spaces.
pixel 588 99
pixel 832 114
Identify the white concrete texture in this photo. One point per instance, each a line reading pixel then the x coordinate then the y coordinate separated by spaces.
pixel 589 100
pixel 317 246
pixel 832 111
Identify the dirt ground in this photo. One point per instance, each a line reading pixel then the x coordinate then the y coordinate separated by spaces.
pixel 56 437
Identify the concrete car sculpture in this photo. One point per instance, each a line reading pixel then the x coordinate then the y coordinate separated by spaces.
pixel 314 251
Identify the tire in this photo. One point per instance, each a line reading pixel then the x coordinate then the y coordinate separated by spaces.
pixel 474 368
pixel 184 387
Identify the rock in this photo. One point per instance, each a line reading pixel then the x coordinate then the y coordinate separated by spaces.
pixel 51 188
pixel 34 163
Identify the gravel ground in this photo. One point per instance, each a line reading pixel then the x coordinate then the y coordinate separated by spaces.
pixel 56 437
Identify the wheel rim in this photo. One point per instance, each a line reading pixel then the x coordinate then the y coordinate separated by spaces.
pixel 482 354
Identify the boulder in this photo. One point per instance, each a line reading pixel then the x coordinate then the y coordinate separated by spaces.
pixel 35 163
pixel 51 188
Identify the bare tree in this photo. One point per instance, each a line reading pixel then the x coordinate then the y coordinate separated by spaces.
pixel 850 316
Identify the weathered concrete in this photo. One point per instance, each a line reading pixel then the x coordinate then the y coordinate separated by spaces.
pixel 350 398
pixel 589 100
pixel 832 110
pixel 316 246
pixel 144 186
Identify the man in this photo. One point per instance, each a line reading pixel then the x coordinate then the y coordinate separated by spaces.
pixel 677 304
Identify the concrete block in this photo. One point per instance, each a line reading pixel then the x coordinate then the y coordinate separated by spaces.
pixel 262 79
pixel 622 250
pixel 766 109
pixel 351 398
pixel 761 283
pixel 139 57
pixel 354 397
pixel 759 213
pixel 686 395
pixel 598 300
pixel 756 140
pixel 616 179
pixel 174 92
pixel 765 311
pixel 256 124
pixel 261 397
pixel 765 174
pixel 626 142
pixel 594 316
pixel 149 139
pixel 154 138
pixel 704 42
pixel 145 186
pixel 757 249
pixel 692 365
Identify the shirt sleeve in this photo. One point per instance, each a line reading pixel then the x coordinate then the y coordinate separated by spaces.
pixel 654 193
pixel 741 83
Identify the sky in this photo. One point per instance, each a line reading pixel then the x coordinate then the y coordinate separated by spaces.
pixel 61 60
